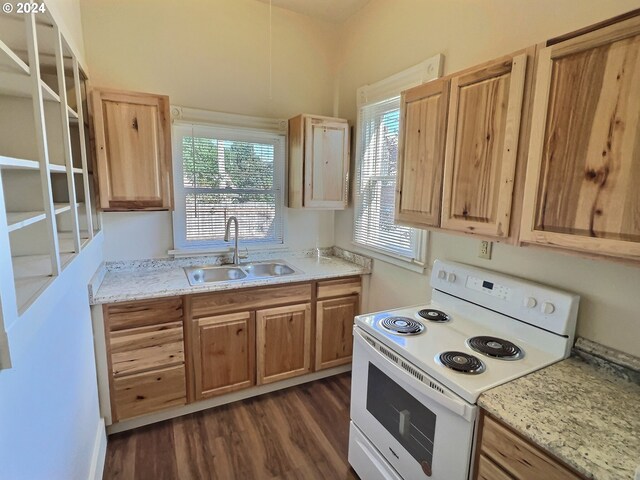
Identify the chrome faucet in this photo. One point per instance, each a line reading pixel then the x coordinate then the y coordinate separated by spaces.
pixel 236 258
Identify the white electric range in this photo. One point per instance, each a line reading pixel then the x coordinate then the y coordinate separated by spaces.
pixel 418 371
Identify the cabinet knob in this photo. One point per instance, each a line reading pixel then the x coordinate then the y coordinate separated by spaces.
pixel 548 308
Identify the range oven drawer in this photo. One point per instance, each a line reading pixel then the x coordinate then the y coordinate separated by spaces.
pixel 420 428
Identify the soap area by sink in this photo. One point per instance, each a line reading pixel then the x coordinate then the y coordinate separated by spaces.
pixel 250 271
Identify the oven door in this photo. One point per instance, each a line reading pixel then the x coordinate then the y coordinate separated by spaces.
pixel 419 427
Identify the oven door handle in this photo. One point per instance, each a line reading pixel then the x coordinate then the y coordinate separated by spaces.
pixel 457 406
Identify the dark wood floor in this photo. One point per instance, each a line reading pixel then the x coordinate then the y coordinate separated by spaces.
pixel 299 433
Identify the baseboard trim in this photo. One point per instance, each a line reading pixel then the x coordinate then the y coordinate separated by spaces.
pixel 223 399
pixel 99 453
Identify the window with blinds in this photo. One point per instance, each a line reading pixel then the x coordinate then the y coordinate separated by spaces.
pixel 223 173
pixel 376 170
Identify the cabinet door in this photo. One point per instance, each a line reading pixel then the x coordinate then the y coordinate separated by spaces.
pixel 133 150
pixel 583 172
pixel 223 354
pixel 334 330
pixel 283 337
pixel 423 114
pixel 481 149
pixel 326 163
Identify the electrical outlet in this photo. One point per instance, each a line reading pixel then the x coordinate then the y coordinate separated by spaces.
pixel 485 249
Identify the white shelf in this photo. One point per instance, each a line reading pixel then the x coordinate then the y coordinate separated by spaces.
pixel 48 93
pixel 54 168
pixel 32 274
pixel 18 163
pixel 9 61
pixel 19 85
pixel 72 113
pixel 17 220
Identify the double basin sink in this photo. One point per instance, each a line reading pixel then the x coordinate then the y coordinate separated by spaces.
pixel 247 271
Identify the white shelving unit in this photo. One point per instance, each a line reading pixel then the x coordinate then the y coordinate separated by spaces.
pixel 47 213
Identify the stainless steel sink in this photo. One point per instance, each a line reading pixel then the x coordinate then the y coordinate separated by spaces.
pixel 200 275
pixel 271 269
pixel 249 271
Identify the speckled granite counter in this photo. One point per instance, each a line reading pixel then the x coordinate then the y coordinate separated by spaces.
pixel 137 280
pixel 581 411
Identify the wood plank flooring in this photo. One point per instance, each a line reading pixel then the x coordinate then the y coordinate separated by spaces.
pixel 299 433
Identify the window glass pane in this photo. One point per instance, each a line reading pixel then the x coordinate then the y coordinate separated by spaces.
pixel 376 182
pixel 223 178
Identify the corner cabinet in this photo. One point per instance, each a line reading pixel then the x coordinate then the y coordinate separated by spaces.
pixel 133 150
pixel 423 115
pixel 318 162
pixel 482 144
pixel 581 190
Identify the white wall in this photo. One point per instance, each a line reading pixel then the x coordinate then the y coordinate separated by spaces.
pixel 210 55
pixel 387 37
pixel 49 412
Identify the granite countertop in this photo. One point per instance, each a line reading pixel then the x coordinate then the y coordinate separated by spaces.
pixel 137 280
pixel 583 410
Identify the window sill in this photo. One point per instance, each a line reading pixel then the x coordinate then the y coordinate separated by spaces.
pixel 397 261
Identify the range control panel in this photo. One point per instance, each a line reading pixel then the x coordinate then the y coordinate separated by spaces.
pixel 530 302
pixel 490 288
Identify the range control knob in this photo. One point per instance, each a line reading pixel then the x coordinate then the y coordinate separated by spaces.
pixel 451 277
pixel 530 302
pixel 548 308
pixel 442 274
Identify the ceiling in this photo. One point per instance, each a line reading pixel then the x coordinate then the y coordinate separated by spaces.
pixel 328 10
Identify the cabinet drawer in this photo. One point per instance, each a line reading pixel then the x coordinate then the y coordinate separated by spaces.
pixel 226 302
pixel 340 287
pixel 122 316
pixel 487 470
pixel 518 457
pixel 146 348
pixel 148 392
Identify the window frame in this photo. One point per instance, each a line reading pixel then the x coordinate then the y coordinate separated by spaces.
pixel 373 94
pixel 234 133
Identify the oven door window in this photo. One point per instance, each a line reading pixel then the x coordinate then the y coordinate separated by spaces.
pixel 411 423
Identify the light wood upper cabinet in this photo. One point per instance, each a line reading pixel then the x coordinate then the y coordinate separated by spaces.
pixel 133 150
pixel 283 337
pixel 318 162
pixel 485 109
pixel 223 352
pixel 423 114
pixel 584 157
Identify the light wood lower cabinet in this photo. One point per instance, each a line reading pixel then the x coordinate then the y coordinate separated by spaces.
pixel 283 342
pixel 145 347
pixel 227 341
pixel 334 331
pixel 223 351
pixel 504 455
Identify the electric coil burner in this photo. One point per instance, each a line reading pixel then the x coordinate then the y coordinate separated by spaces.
pixel 434 315
pixel 495 347
pixel 402 325
pixel 461 362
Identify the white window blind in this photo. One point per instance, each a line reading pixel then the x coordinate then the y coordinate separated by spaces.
pixel 223 173
pixel 376 184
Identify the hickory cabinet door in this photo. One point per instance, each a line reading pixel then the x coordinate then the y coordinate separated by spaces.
pixel 283 337
pixel 485 109
pixel 223 349
pixel 133 150
pixel 583 174
pixel 334 330
pixel 423 115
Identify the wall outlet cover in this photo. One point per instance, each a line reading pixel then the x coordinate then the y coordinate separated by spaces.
pixel 485 249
